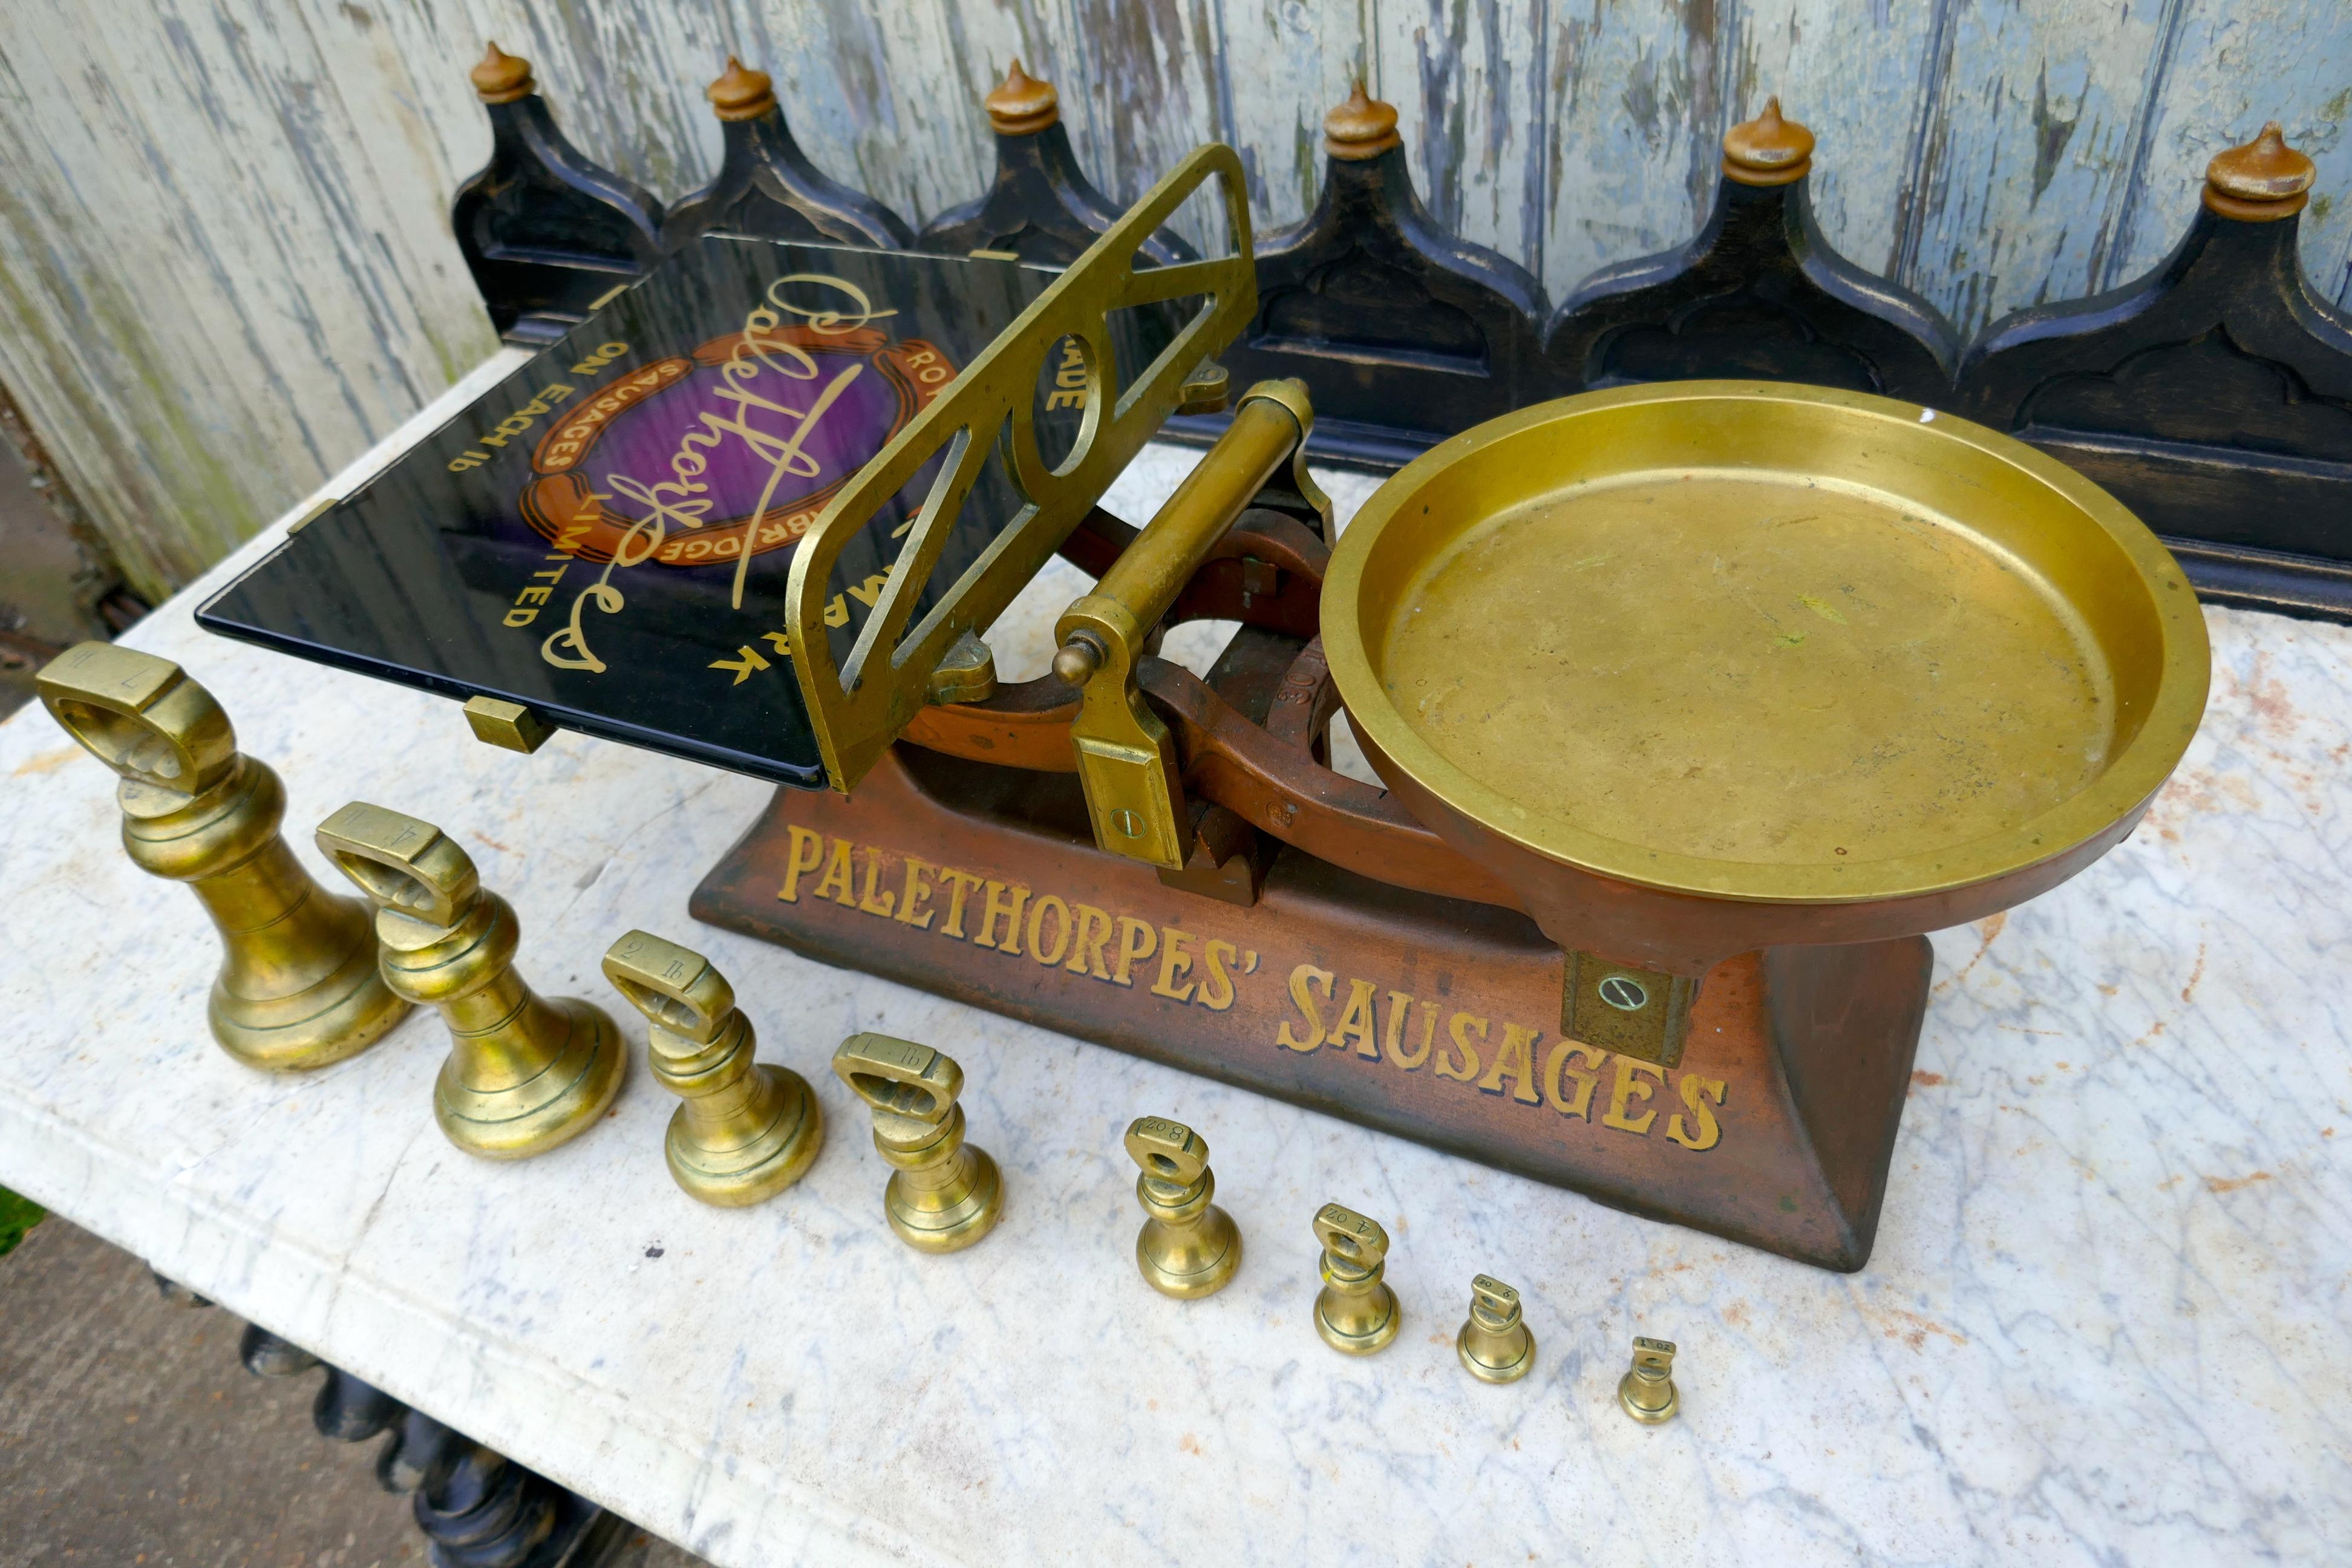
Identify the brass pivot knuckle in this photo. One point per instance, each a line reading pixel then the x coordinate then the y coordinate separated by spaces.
pixel 1357 1312
pixel 297 986
pixel 1188 1246
pixel 523 1074
pixel 944 1194
pixel 1495 1344
pixel 1127 757
pixel 746 1130
pixel 1647 1391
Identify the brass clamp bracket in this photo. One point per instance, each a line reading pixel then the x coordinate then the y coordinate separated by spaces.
pixel 1127 757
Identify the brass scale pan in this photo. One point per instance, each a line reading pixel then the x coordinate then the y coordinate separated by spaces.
pixel 1703 666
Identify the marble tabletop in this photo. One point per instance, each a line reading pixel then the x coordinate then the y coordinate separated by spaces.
pixel 2109 1317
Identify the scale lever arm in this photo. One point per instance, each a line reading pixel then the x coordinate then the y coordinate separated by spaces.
pixel 1127 758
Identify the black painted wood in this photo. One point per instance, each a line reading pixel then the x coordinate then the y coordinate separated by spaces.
pixel 1041 208
pixel 545 232
pixel 2213 396
pixel 1757 294
pixel 1403 333
pixel 767 188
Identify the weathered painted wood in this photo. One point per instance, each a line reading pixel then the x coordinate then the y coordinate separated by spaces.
pixel 226 266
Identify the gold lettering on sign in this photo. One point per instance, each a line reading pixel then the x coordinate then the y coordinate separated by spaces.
pixel 1374 1028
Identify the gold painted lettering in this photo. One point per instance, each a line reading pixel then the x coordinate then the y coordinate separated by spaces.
pixel 1137 939
pixel 1358 1021
pixel 1558 1066
pixel 533 595
pixel 802 838
pixel 1627 1091
pixel 1696 1093
pixel 1457 1029
pixel 1086 953
pixel 520 617
pixel 912 896
pixel 1303 981
pixel 1399 1005
pixel 835 884
pixel 1514 1056
pixel 1038 930
pixel 747 659
pixel 869 900
pixel 959 884
pixel 1216 980
pixel 1175 963
pixel 1011 909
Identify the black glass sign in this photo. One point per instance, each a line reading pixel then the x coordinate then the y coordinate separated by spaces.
pixel 605 537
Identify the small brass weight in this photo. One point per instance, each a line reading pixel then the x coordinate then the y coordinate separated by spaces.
pixel 1188 1248
pixel 944 1194
pixel 1356 1311
pixel 297 987
pixel 1647 1390
pixel 1495 1344
pixel 748 1129
pixel 523 1074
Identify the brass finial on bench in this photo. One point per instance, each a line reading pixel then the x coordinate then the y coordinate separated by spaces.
pixel 2262 182
pixel 740 92
pixel 502 78
pixel 1769 150
pixel 1021 105
pixel 1360 129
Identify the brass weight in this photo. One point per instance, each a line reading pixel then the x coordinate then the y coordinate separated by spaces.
pixel 297 986
pixel 1495 1344
pixel 944 1194
pixel 1647 1391
pixel 747 1130
pixel 523 1074
pixel 1188 1248
pixel 1356 1311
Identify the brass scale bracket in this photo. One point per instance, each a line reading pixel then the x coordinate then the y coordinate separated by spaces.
pixel 1142 729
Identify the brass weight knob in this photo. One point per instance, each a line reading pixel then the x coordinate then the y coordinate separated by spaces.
pixel 944 1194
pixel 1495 1344
pixel 1188 1248
pixel 297 986
pixel 523 1074
pixel 747 1130
pixel 1356 1311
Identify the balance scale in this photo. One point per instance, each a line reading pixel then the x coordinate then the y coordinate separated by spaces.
pixel 1697 704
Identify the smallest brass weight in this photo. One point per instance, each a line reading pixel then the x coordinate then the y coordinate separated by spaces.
pixel 944 1194
pixel 1647 1391
pixel 748 1129
pixel 1356 1313
pixel 1188 1248
pixel 1495 1343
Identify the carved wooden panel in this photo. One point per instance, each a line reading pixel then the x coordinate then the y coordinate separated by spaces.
pixel 2213 396
pixel 546 232
pixel 766 186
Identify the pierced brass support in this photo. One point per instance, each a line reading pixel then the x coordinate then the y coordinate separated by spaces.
pixel 523 1074
pixel 1356 1313
pixel 297 987
pixel 1188 1248
pixel 1127 759
pixel 748 1129
pixel 943 1193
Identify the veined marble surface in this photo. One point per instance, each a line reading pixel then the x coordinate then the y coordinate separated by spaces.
pixel 2109 1317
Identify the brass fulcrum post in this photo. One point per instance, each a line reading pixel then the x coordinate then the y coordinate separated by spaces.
pixel 1188 1248
pixel 1356 1311
pixel 1647 1391
pixel 943 1193
pixel 747 1130
pixel 1495 1344
pixel 523 1074
pixel 297 986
